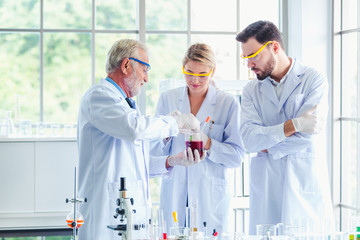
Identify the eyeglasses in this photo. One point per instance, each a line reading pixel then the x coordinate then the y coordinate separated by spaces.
pixel 148 67
pixel 193 75
pixel 254 57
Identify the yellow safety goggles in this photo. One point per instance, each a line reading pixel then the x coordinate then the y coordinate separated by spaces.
pixel 197 74
pixel 256 53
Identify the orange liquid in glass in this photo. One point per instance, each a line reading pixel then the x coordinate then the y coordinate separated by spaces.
pixel 79 222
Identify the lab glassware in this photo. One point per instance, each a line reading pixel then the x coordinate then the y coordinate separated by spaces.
pixel 7 128
pixel 265 230
pixel 55 130
pixel 25 128
pixel 194 140
pixel 10 123
pixel 68 130
pixel 179 232
pixel 230 236
pixel 40 128
pixel 79 219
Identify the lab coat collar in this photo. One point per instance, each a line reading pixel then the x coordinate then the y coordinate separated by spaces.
pixel 292 81
pixel 268 90
pixel 109 82
pixel 205 109
pixel 117 86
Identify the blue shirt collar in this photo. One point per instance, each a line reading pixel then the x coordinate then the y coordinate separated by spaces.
pixel 121 91
pixel 117 86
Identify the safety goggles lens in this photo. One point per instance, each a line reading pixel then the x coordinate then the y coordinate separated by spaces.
pixel 254 57
pixel 196 74
pixel 148 67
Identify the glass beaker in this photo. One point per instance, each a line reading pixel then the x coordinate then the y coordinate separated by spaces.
pixel 3 127
pixel 70 219
pixel 265 230
pixel 10 123
pixel 68 128
pixel 231 236
pixel 7 125
pixel 40 128
pixel 25 128
pixel 194 140
pixel 179 232
pixel 55 130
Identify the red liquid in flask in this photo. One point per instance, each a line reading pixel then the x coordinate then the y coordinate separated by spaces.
pixel 195 145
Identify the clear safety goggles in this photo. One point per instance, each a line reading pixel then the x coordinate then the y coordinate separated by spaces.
pixel 254 56
pixel 193 75
pixel 148 67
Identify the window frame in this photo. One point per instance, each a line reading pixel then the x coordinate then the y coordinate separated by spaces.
pixel 342 210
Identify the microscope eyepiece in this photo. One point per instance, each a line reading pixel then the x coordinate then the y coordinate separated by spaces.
pixel 122 184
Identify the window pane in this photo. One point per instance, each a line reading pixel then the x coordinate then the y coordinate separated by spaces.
pixel 67 14
pixel 349 14
pixel 224 47
pixel 19 70
pixel 115 14
pixel 252 11
pixel 213 15
pixel 173 15
pixel 103 45
pixel 349 75
pixel 346 215
pixel 67 71
pixel 20 14
pixel 337 15
pixel 349 163
pixel 166 54
pixel 337 74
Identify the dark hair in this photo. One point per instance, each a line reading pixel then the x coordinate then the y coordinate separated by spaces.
pixel 263 31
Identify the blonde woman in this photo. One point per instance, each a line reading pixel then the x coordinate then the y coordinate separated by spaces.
pixel 207 181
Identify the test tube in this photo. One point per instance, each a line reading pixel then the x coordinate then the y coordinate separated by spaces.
pixel 187 217
pixel 194 215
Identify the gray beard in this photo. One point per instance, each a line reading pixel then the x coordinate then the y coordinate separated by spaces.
pixel 133 85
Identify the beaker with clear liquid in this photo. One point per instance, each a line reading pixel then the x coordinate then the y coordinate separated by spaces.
pixel 7 125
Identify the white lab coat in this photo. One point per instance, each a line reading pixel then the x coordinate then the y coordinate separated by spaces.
pixel 208 181
pixel 111 145
pixel 290 182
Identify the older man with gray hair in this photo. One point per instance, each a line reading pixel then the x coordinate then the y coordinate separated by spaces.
pixel 112 139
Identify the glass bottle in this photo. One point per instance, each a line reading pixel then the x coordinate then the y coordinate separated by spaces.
pixel 10 129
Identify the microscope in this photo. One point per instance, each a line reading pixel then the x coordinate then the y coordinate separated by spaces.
pixel 125 212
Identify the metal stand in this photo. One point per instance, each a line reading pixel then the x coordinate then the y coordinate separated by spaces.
pixel 75 200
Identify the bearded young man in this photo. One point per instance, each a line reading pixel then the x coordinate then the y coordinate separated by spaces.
pixel 282 113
